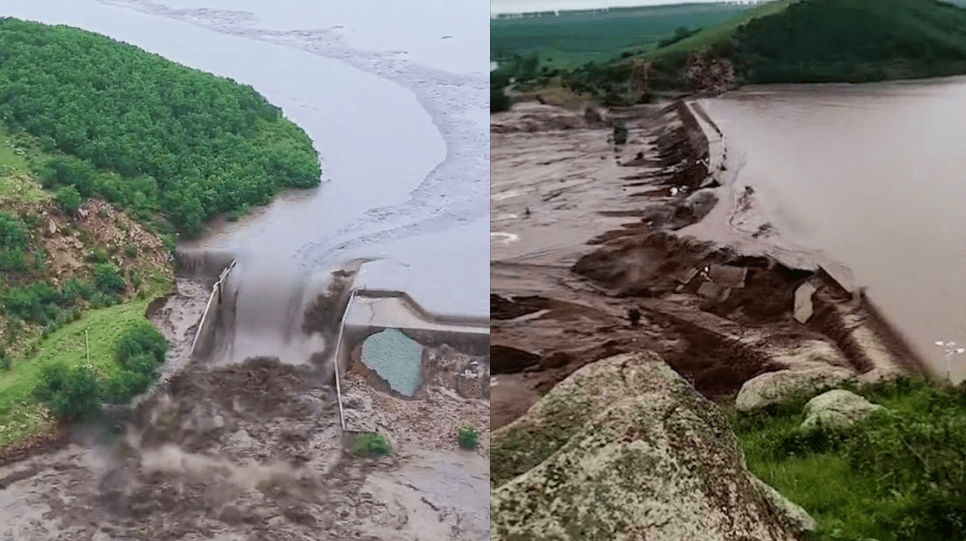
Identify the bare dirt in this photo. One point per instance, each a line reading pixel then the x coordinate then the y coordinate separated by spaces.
pixel 68 241
pixel 594 253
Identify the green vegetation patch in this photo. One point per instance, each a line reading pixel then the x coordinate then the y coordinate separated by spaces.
pixel 570 39
pixel 143 132
pixel 895 476
pixel 372 444
pixel 854 41
pixel 468 436
pixel 20 416
pixel 782 41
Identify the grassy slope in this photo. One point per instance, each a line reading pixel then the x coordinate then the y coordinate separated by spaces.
pixel 13 165
pixel 574 38
pixel 854 41
pixel 849 504
pixel 726 30
pixel 20 417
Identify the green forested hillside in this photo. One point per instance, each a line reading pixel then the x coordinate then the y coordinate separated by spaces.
pixel 571 38
pixel 182 142
pixel 853 40
pixel 781 41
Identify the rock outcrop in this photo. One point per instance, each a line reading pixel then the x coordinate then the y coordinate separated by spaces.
pixel 836 409
pixel 626 449
pixel 775 387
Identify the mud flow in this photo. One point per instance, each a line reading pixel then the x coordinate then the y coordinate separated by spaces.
pixel 603 250
pixel 255 450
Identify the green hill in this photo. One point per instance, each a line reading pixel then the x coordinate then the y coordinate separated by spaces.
pixel 724 31
pixel 572 38
pixel 782 41
pixel 809 41
pixel 143 132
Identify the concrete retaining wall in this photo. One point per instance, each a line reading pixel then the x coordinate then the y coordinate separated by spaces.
pixel 203 341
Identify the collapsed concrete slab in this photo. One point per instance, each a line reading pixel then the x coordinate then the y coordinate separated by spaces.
pixel 803 302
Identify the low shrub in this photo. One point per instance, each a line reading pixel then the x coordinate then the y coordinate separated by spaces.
pixel 108 280
pixel 468 436
pixel 97 255
pixel 141 340
pixel 68 199
pixel 70 393
pixel 371 444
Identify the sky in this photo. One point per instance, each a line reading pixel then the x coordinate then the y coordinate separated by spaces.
pixel 530 6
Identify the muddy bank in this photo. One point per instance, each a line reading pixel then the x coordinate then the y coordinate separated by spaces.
pixel 598 256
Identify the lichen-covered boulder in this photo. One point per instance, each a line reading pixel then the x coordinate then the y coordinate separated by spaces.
pixel 836 409
pixel 775 387
pixel 626 449
pixel 798 518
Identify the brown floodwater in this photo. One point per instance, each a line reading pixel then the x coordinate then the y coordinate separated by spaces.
pixel 874 175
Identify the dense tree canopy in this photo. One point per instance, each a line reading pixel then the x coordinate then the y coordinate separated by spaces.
pixel 144 132
pixel 853 40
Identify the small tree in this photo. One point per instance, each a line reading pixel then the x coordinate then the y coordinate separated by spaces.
pixel 107 279
pixel 69 200
pixel 71 393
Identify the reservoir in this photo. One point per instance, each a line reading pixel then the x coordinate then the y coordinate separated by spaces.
pixel 873 175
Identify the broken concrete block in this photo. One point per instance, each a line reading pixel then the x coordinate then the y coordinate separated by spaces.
pixel 714 291
pixel 803 302
pixel 728 276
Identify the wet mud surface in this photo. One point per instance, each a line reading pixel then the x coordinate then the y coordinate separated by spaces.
pixel 251 451
pixel 598 250
pixel 256 451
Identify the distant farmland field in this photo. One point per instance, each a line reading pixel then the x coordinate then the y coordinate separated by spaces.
pixel 573 38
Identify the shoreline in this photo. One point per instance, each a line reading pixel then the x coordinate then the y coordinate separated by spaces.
pixel 887 337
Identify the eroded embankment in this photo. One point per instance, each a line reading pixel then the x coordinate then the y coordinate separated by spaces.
pixel 720 314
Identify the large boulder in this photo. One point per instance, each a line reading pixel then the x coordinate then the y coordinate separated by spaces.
pixel 626 449
pixel 775 387
pixel 836 409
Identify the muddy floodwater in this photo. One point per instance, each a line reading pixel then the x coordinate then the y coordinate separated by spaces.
pixel 873 175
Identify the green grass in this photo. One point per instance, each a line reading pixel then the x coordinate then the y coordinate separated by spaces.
pixel 19 416
pixel 824 485
pixel 577 37
pixel 14 180
pixel 869 482
pixel 711 35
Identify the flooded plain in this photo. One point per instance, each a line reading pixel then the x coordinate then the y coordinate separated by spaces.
pixel 873 175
